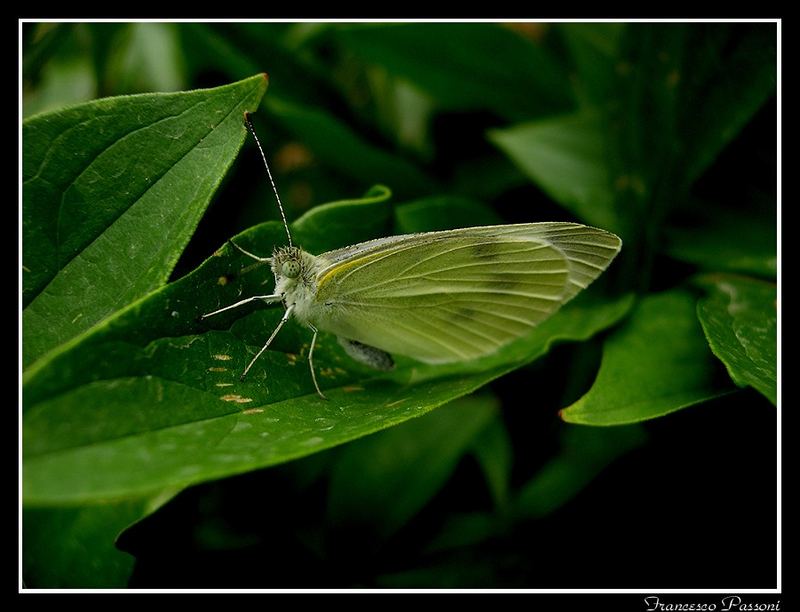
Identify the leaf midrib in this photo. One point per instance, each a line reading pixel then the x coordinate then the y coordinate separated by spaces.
pixel 137 198
pixel 61 264
pixel 136 433
pixel 499 370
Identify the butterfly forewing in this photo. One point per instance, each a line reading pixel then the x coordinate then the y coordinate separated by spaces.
pixel 458 294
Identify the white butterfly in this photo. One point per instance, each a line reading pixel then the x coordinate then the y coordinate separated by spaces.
pixel 437 297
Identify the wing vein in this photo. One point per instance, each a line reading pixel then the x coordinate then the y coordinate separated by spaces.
pixel 415 331
pixel 504 330
pixel 438 291
pixel 471 245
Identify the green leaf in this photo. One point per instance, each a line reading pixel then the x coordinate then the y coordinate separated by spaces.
pixel 565 156
pixel 739 318
pixel 727 240
pixel 57 68
pixel 493 450
pixel 443 212
pixel 595 51
pixel 143 57
pixel 42 43
pixel 683 92
pixel 645 142
pixel 325 224
pixel 98 179
pixel 380 482
pixel 338 147
pixel 151 398
pixel 239 49
pixel 402 112
pixel 466 529
pixel 732 69
pixel 207 48
pixel 655 364
pixel 585 452
pixel 73 547
pixel 467 65
pixel 487 177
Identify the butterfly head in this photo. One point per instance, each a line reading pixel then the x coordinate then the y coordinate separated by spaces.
pixel 295 279
pixel 292 266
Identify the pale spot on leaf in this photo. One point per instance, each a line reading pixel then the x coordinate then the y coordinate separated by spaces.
pixel 253 411
pixel 232 397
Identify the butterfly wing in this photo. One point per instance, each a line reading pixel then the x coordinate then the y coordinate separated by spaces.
pixel 457 294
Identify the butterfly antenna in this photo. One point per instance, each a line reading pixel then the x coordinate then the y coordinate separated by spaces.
pixel 269 174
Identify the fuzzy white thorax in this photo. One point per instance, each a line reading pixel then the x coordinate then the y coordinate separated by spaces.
pixel 298 291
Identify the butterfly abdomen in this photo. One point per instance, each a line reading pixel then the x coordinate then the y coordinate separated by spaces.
pixel 369 355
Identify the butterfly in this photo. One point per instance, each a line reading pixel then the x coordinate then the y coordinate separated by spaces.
pixel 437 297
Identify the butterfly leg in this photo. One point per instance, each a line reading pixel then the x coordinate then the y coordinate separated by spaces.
pixel 283 320
pixel 311 362
pixel 248 253
pixel 266 298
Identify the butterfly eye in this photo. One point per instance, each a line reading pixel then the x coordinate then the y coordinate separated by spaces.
pixel 290 269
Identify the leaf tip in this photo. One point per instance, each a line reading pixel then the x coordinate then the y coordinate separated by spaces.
pixel 568 416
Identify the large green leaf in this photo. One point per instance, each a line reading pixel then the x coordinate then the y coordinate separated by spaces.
pixel 73 547
pixel 740 320
pixel 113 190
pixel 467 65
pixel 152 398
pixel 380 482
pixel 566 157
pixel 727 240
pixel 658 362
